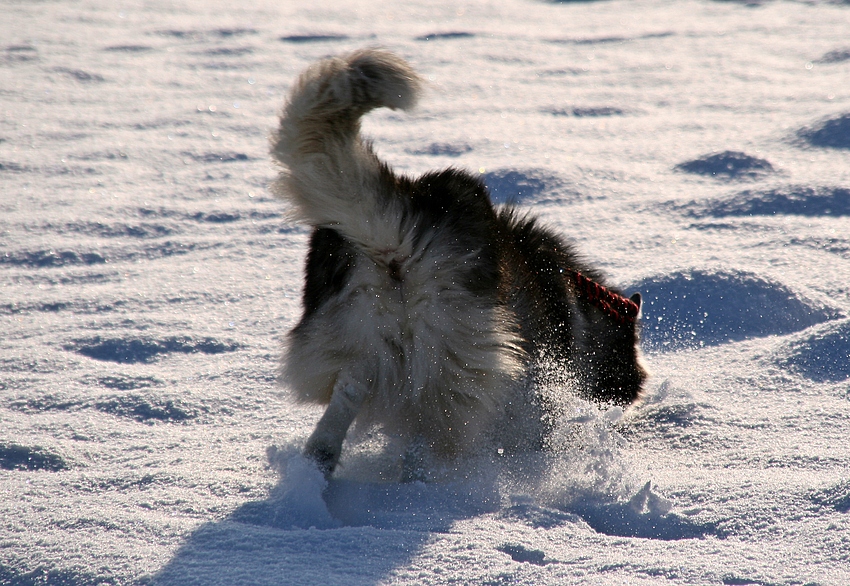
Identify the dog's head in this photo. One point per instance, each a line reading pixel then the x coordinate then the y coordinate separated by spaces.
pixel 618 372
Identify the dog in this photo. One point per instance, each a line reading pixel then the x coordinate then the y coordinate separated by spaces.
pixel 426 310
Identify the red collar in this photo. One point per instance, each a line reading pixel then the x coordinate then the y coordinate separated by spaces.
pixel 622 309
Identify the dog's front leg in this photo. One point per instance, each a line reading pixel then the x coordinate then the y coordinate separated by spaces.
pixel 325 444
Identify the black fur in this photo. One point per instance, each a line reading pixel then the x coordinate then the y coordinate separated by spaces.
pixel 542 295
pixel 522 266
pixel 328 263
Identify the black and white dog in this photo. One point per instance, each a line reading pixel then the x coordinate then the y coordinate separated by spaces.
pixel 427 311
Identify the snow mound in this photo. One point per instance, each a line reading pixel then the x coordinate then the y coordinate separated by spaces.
pixel 831 133
pixel 703 308
pixel 443 149
pixel 586 111
pixel 51 258
pixel 823 356
pixel 520 186
pixel 728 165
pixel 128 48
pixel 199 35
pixel 313 38
pixel 147 409
pixel 216 158
pixel 446 36
pixel 123 382
pixel 79 75
pixel 835 56
pixel 836 497
pixel 131 349
pixel 17 457
pixel 792 200
pixel 57 257
pixel 625 520
pixel 666 420
pixel 114 230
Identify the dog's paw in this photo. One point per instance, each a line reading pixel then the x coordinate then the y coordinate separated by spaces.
pixel 414 462
pixel 323 456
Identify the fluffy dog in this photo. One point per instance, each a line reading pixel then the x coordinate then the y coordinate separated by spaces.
pixel 426 310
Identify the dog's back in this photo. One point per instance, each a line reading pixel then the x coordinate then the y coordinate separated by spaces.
pixel 424 306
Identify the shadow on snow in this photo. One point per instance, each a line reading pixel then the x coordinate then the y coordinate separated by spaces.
pixel 311 530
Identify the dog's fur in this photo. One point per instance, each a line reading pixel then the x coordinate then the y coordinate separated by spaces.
pixel 425 308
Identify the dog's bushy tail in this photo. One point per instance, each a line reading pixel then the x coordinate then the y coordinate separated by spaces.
pixel 330 174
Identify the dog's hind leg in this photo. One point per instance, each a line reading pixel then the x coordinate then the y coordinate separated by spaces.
pixel 414 461
pixel 325 443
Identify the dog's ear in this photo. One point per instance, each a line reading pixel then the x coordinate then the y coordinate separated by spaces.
pixel 637 299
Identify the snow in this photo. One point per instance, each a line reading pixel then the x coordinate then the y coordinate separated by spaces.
pixel 697 151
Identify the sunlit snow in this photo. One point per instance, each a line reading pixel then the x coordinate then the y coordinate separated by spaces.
pixel 698 152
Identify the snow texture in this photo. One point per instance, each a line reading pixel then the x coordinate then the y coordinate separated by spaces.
pixel 697 151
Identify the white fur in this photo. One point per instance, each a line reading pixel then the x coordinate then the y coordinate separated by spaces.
pixel 435 360
pixel 329 173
